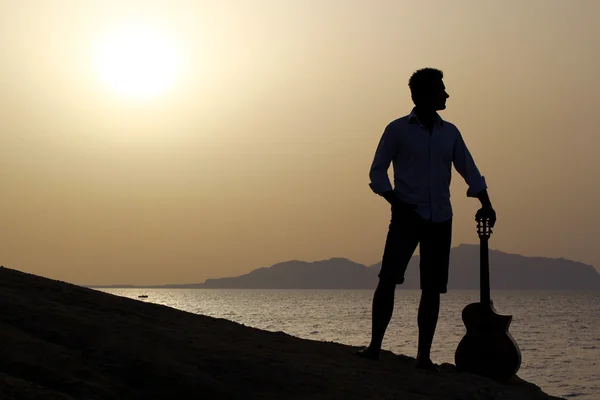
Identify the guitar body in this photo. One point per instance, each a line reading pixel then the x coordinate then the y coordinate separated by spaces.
pixel 487 349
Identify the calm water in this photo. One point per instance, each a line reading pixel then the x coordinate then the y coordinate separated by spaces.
pixel 558 332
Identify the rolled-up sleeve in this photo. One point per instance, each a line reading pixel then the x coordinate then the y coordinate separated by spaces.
pixel 385 153
pixel 465 165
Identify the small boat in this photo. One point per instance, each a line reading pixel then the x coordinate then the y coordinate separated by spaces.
pixel 143 296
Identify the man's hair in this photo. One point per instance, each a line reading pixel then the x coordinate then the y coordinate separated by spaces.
pixel 422 79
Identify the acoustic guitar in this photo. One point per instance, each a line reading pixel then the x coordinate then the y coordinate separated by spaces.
pixel 487 348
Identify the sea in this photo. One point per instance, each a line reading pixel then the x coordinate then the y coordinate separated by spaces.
pixel 558 332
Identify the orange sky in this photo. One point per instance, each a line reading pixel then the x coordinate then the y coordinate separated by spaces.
pixel 259 151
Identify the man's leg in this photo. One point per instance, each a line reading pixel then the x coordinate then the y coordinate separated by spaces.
pixel 382 310
pixel 435 259
pixel 400 245
pixel 429 309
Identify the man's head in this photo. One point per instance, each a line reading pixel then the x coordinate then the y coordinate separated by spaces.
pixel 427 89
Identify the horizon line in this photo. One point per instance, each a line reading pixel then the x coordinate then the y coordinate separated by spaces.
pixel 124 285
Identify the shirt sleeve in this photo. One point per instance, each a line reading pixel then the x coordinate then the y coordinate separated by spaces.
pixel 386 150
pixel 465 165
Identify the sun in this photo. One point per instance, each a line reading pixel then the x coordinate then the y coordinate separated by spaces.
pixel 138 62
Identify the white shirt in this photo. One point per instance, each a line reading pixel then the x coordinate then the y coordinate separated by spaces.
pixel 423 165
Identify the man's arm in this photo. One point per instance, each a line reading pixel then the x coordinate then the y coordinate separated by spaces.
pixel 380 182
pixel 385 153
pixel 465 165
pixel 484 198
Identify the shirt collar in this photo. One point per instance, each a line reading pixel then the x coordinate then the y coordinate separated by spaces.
pixel 412 118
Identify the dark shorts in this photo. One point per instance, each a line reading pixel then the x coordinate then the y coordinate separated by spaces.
pixel 407 230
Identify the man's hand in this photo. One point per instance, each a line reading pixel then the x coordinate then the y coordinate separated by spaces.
pixel 393 199
pixel 486 212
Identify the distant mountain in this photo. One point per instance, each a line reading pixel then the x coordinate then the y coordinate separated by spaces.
pixel 510 272
pixel 335 273
pixel 517 272
pixel 507 272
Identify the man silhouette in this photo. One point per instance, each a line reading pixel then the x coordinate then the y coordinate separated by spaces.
pixel 422 148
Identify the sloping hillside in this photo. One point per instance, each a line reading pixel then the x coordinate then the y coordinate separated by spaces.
pixel 60 341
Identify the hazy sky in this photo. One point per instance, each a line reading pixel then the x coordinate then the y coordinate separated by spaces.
pixel 259 149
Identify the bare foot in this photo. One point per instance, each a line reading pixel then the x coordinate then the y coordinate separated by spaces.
pixel 427 365
pixel 368 353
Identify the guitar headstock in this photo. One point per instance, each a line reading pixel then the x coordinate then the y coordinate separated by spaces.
pixel 484 230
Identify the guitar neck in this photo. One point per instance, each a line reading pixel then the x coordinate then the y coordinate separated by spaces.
pixel 484 275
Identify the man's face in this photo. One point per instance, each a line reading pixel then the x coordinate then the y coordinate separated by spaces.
pixel 436 96
pixel 440 95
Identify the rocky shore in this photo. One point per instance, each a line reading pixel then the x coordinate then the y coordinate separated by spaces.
pixel 62 341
